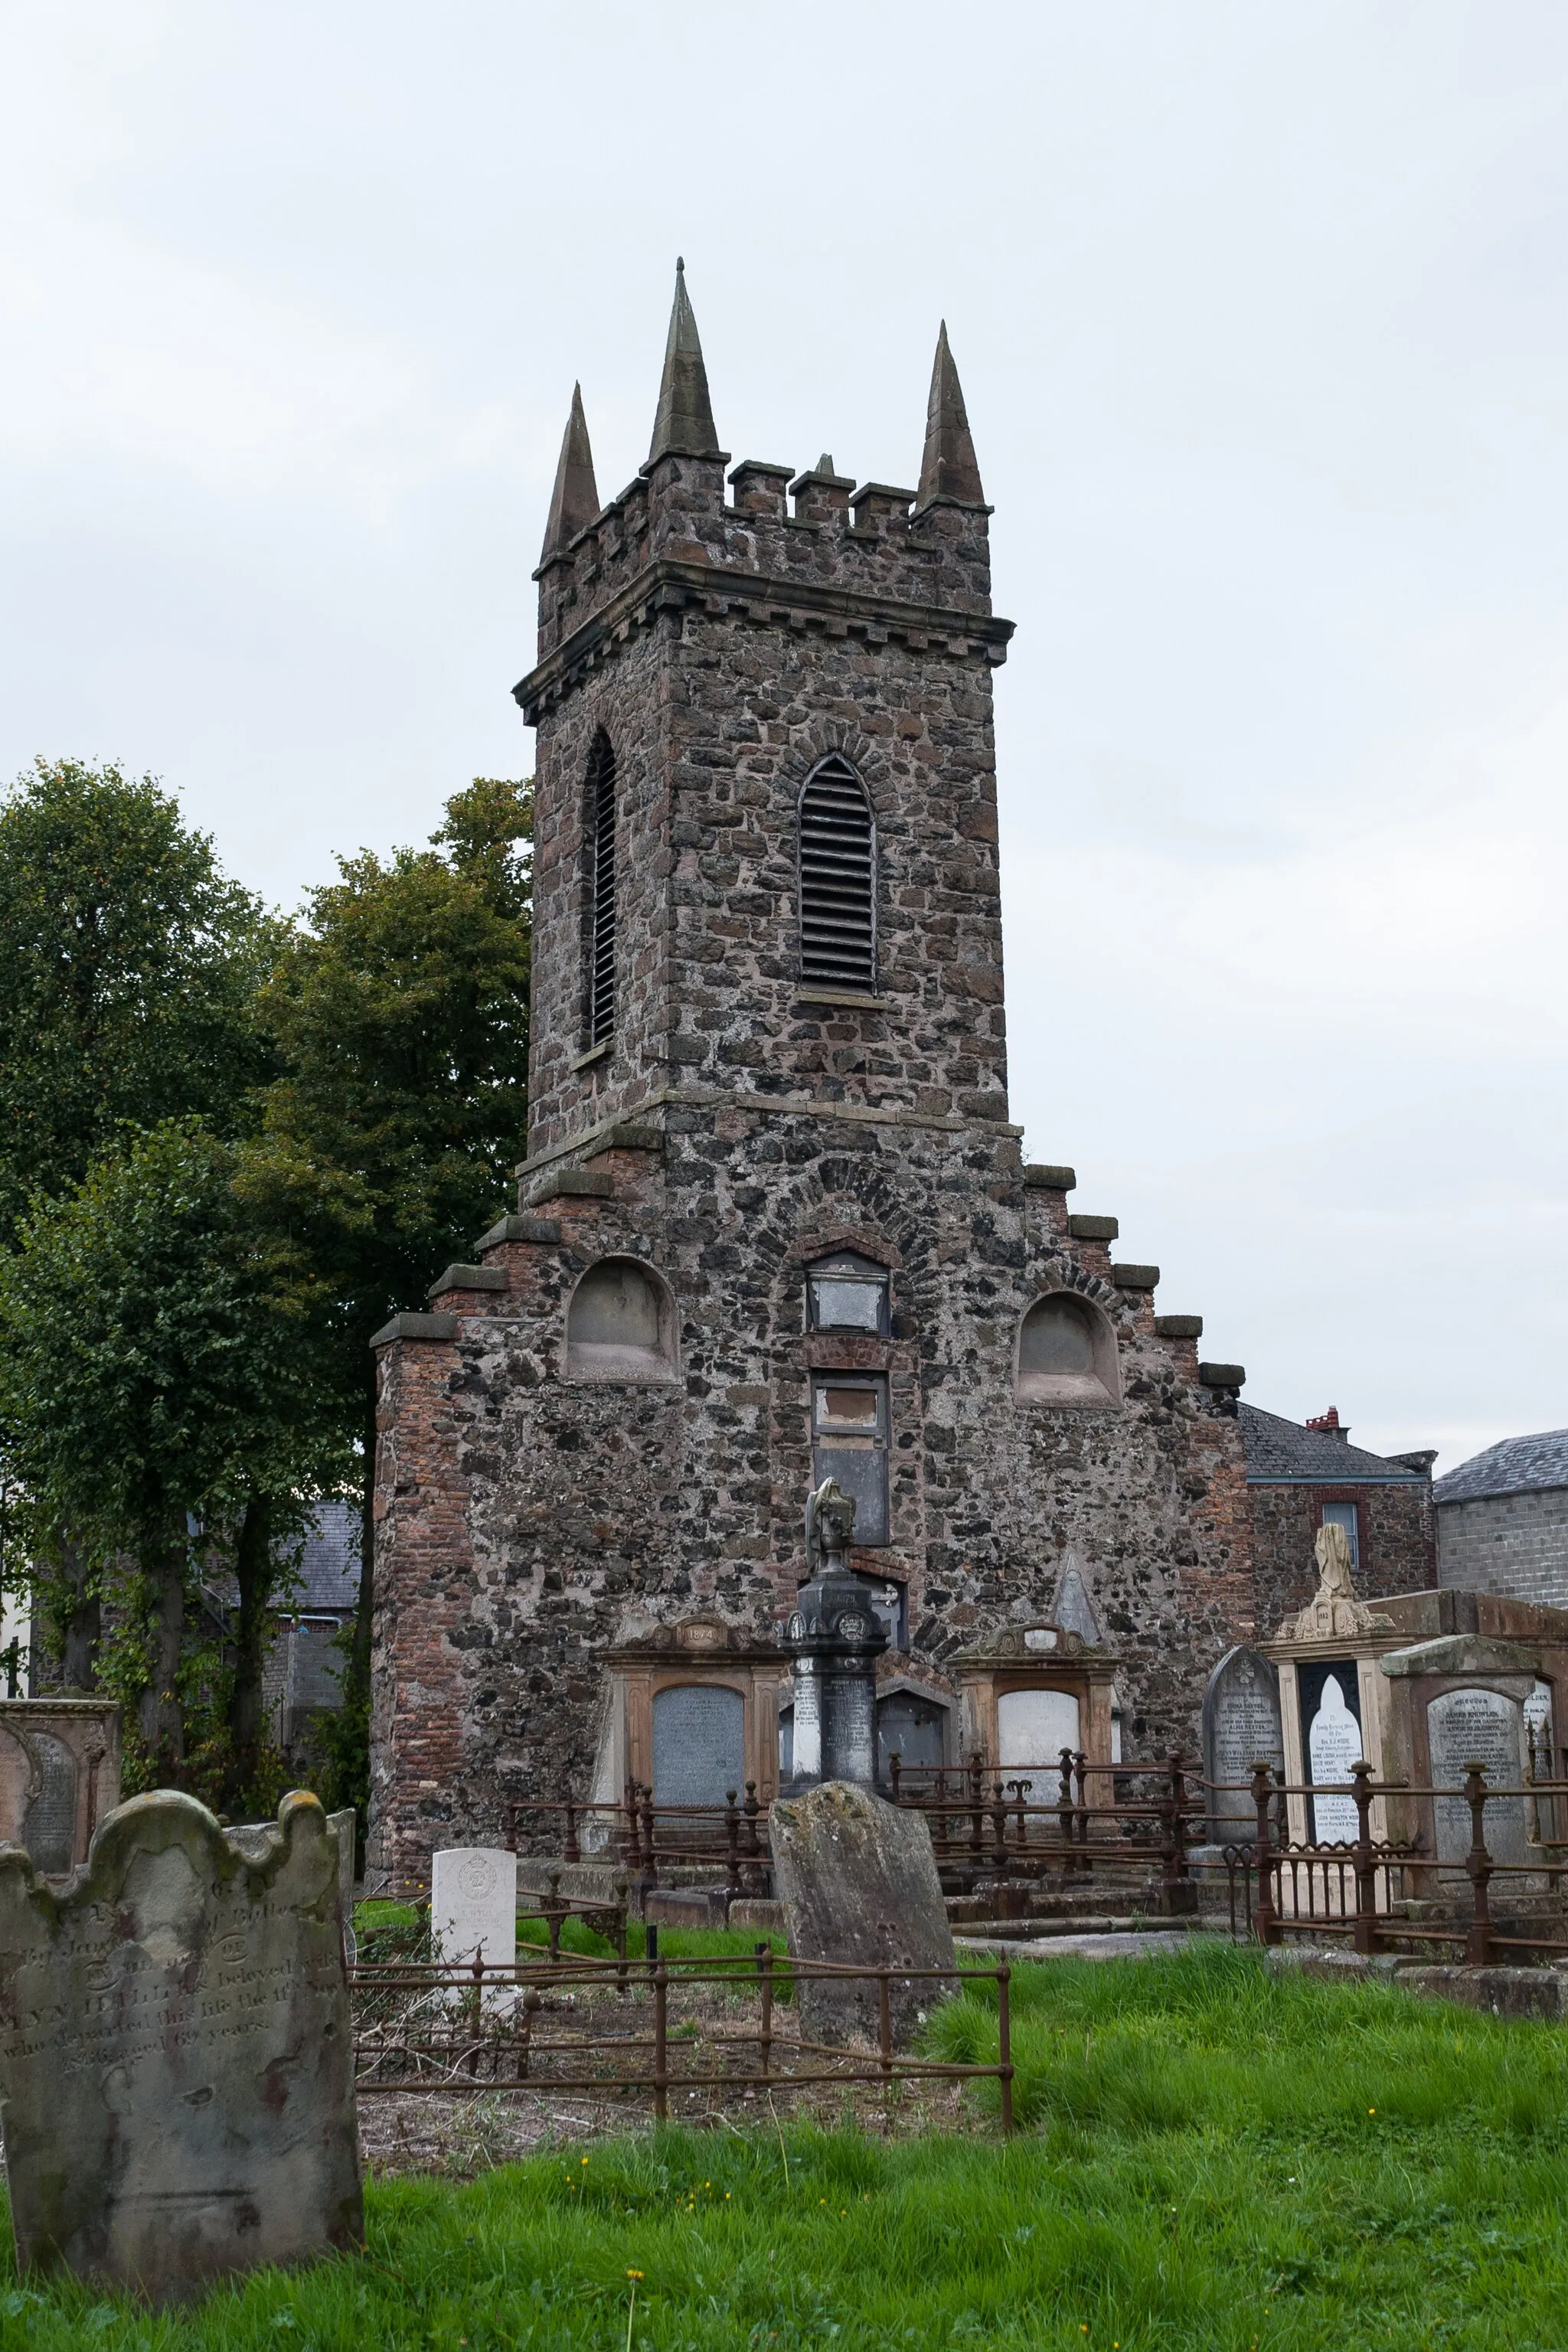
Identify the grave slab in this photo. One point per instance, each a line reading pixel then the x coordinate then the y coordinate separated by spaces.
pixel 1241 1728
pixel 177 2068
pixel 1139 1945
pixel 858 1883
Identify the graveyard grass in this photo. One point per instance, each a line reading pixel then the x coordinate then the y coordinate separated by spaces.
pixel 1209 2159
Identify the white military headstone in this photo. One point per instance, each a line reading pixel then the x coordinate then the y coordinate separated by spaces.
pixel 176 2062
pixel 473 1910
pixel 1484 1727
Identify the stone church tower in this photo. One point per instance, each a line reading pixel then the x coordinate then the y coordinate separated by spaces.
pixel 774 1223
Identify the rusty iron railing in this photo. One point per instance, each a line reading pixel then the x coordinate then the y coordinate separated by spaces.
pixel 448 2031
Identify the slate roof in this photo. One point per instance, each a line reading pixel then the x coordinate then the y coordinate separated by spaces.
pixel 330 1566
pixel 1520 1465
pixel 1283 1453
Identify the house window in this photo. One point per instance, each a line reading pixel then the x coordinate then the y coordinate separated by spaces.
pixel 838 879
pixel 1346 1516
pixel 849 1442
pixel 601 892
pixel 847 1293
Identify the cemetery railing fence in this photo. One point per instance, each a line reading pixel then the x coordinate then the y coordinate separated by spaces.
pixel 659 2027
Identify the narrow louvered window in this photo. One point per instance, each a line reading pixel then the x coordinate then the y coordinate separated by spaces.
pixel 838 879
pixel 601 892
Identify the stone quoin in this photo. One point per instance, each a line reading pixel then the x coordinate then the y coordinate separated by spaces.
pixel 774 1225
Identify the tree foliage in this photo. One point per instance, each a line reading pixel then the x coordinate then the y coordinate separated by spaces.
pixel 157 1377
pixel 129 975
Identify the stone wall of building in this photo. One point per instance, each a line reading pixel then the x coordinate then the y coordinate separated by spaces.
pixel 1514 1544
pixel 530 1519
pixel 1398 1547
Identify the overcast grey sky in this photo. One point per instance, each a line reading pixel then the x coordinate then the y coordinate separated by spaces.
pixel 1260 315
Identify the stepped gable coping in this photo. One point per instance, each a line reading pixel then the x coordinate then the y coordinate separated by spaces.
pixel 1093 1229
pixel 545 1231
pixel 1041 1177
pixel 408 1326
pixel 468 1277
pixel 1222 1376
pixel 627 1137
pixel 670 583
pixel 1135 1278
pixel 1178 1326
pixel 1282 1453
pixel 574 1185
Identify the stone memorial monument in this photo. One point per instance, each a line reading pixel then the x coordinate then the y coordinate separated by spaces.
pixel 176 2066
pixel 473 1911
pixel 60 1775
pixel 858 1883
pixel 1241 1728
pixel 837 1638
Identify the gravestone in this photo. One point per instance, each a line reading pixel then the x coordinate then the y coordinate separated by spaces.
pixel 857 1879
pixel 699 1743
pixel 473 1910
pixel 344 1829
pixel 1241 1728
pixel 1331 1735
pixel 176 2062
pixel 1033 1726
pixel 1485 1727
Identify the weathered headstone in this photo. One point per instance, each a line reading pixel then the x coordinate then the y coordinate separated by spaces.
pixel 345 1828
pixel 858 1883
pixel 473 1910
pixel 176 2062
pixel 1485 1727
pixel 1241 1728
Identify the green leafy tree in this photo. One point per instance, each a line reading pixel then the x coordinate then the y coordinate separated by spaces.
pixel 159 1381
pixel 399 1013
pixel 130 968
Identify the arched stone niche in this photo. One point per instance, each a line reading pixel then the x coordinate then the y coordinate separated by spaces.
pixel 1065 1354
pixel 620 1324
pixel 59 1774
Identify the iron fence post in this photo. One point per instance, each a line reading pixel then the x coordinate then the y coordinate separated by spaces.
pixel 1064 1808
pixel 660 2041
pixel 895 1766
pixel 977 1807
pixel 731 1843
pixel 649 1855
pixel 765 1971
pixel 1005 2045
pixel 885 2036
pixel 1365 1935
pixel 1265 1918
pixel 571 1850
pixel 1478 1869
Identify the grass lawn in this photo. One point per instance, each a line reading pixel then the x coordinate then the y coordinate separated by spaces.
pixel 1212 2160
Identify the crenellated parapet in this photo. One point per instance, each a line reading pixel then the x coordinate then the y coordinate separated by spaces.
pixel 869 557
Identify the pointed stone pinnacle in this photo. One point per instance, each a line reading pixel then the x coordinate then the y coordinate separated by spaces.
pixel 949 468
pixel 684 425
pixel 575 499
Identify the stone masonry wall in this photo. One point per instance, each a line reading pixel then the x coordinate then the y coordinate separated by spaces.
pixel 597 1510
pixel 1514 1544
pixel 1398 1551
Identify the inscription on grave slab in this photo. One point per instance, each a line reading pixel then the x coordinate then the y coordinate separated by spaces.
pixel 175 2061
pixel 699 1743
pixel 1333 1745
pixel 473 1910
pixel 1241 1728
pixel 858 1882
pixel 1485 1727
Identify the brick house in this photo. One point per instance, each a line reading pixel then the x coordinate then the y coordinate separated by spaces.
pixel 1503 1520
pixel 1303 1475
pixel 774 1221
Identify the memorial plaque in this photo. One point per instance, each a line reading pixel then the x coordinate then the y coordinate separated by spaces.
pixel 1331 1735
pixel 699 1743
pixel 1484 1727
pixel 1241 1728
pixel 858 1883
pixel 1033 1726
pixel 176 2054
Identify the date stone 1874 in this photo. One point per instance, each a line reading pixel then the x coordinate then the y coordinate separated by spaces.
pixel 175 2058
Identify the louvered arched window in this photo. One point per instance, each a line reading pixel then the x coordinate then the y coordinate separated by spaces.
pixel 600 841
pixel 838 879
